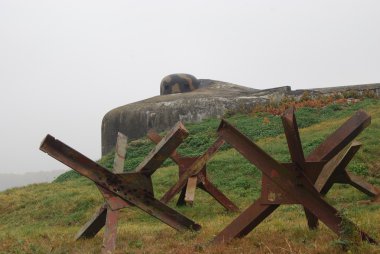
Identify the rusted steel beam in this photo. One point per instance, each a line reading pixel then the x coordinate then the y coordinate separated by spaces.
pixel 117 184
pixel 194 169
pixel 336 165
pixel 163 150
pixel 340 175
pixel 293 137
pixel 332 150
pixel 218 195
pixel 362 185
pixel 98 220
pixel 190 189
pixel 352 149
pixel 182 162
pixel 109 239
pixel 255 155
pixel 245 222
pixel 110 232
pixel 292 182
pixel 94 225
pixel 341 137
pixel 120 152
pixel 113 201
pixel 181 198
pixel 153 136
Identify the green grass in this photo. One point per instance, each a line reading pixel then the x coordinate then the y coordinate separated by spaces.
pixel 44 218
pixel 203 134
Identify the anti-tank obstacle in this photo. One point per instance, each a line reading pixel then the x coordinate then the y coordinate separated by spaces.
pixel 123 189
pixel 192 173
pixel 293 183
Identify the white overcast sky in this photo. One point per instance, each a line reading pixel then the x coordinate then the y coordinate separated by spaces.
pixel 64 64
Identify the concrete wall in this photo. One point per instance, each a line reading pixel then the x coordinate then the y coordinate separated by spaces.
pixel 213 99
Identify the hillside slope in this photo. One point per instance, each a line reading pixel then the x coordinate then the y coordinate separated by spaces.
pixel 44 218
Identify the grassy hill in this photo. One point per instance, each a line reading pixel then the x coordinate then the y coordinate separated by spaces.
pixel 44 218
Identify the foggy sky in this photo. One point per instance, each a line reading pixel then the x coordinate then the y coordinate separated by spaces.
pixel 64 64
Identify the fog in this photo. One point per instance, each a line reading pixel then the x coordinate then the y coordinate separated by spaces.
pixel 64 64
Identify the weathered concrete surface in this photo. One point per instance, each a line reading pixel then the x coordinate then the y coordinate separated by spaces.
pixel 178 83
pixel 211 99
pixel 359 89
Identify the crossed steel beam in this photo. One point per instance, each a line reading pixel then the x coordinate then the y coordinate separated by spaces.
pixel 335 153
pixel 192 174
pixel 123 189
pixel 293 183
pixel 108 213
